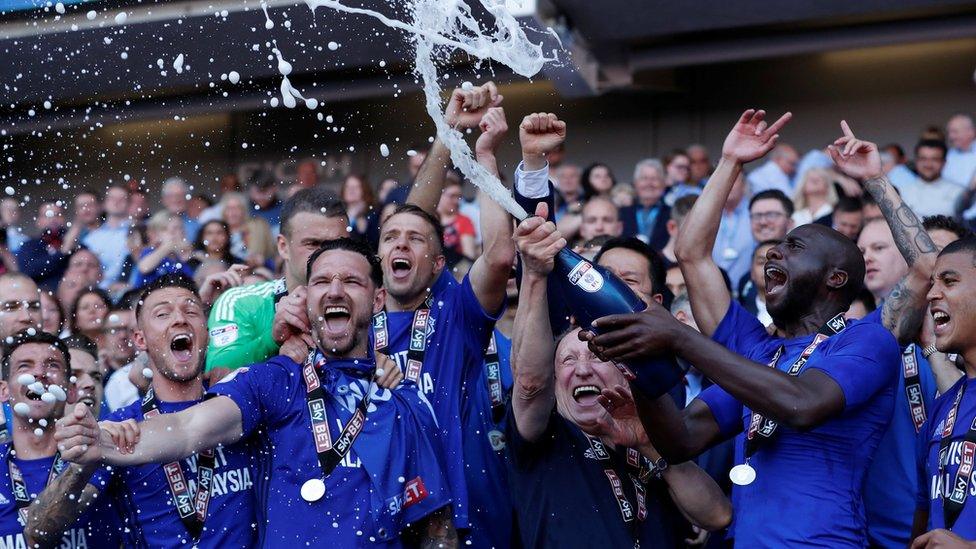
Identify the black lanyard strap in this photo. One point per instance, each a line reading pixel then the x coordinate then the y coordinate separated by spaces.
pixel 329 454
pixel 19 487
pixel 493 373
pixel 913 386
pixel 417 347
pixel 763 429
pixel 639 469
pixel 954 496
pixel 191 506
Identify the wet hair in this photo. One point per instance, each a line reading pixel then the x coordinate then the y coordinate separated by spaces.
pixel 354 245
pixel 82 343
pixel 416 210
pixel 932 144
pixel 655 263
pixel 316 200
pixel 102 294
pixel 946 223
pixel 171 280
pixel 774 194
pixel 25 337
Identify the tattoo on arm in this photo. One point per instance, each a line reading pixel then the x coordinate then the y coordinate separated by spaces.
pixel 440 532
pixel 58 506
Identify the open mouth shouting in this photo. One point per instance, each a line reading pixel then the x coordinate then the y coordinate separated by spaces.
pixel 337 318
pixel 400 268
pixel 586 394
pixel 776 279
pixel 942 321
pixel 181 347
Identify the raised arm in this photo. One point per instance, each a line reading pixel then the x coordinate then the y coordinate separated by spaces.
pixel 533 349
pixel 749 139
pixel 163 438
pixel 464 110
pixel 905 306
pixel 490 271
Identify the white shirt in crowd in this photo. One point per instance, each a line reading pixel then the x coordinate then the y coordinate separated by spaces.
pixel 803 217
pixel 960 165
pixel 119 391
pixel 769 176
pixel 939 197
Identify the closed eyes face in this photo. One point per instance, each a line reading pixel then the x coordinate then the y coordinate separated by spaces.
pixel 341 301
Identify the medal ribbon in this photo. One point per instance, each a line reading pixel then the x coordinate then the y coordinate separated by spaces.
pixel 493 372
pixel 763 429
pixel 192 507
pixel 913 386
pixel 953 501
pixel 19 487
pixel 638 469
pixel 418 338
pixel 329 454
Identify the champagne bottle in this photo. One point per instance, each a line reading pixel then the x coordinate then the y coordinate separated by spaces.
pixel 590 292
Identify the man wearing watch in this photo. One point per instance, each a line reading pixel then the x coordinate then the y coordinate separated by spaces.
pixel 581 467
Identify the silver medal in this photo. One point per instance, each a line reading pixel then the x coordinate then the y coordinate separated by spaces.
pixel 742 474
pixel 313 490
pixel 497 440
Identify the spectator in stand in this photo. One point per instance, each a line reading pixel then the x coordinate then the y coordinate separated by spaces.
pixel 45 258
pixel 871 209
pixel 108 241
pixel 20 305
pixel 960 162
pixel 622 195
pixel 677 167
pixel 117 348
pixel 847 217
pixel 307 173
pixel 701 166
pixel 88 313
pixel 260 245
pixel 86 213
pixel 398 195
pixel 10 222
pixel 894 163
pixel 734 242
pixel 213 244
pixel 770 215
pixel 168 250
pixel 139 210
pixel 361 205
pixel 386 186
pixel 862 306
pixel 815 197
pixel 458 228
pixel 175 197
pixel 87 373
pixel 815 158
pixel 84 270
pixel 235 215
pixel 929 193
pixel 52 314
pixel 681 208
pixel 600 217
pixel 597 180
pixel 135 242
pixel 674 280
pixel 776 173
pixel 197 205
pixel 648 218
pixel 943 230
pixel 8 261
pixel 262 189
pixel 752 287
pixel 569 190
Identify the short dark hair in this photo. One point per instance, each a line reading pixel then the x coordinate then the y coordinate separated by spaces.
pixel 414 209
pixel 354 245
pixel 770 242
pixel 932 144
pixel 171 280
pixel 682 206
pixel 946 223
pixel 82 343
pixel 655 263
pixel 849 205
pixel 26 337
pixel 102 294
pixel 316 200
pixel 967 244
pixel 128 300
pixel 774 194
pixel 867 298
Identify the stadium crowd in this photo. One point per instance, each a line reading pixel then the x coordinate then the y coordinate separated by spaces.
pixel 392 365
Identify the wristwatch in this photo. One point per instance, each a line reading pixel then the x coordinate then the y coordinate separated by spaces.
pixel 928 351
pixel 658 467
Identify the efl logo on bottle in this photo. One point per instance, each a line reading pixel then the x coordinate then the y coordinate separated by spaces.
pixel 586 277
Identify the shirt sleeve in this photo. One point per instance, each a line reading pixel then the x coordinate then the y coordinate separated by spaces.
pixel 740 332
pixel 532 183
pixel 862 362
pixel 521 452
pixel 726 410
pixel 479 323
pixel 249 388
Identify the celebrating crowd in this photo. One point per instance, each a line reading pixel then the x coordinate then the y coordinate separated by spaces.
pixel 396 366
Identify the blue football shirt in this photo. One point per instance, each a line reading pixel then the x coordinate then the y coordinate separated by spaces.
pixel 809 484
pixel 892 482
pixel 145 497
pixel 97 527
pixel 931 487
pixel 458 332
pixel 390 478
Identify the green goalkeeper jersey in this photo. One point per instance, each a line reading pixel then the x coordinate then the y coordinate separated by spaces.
pixel 240 325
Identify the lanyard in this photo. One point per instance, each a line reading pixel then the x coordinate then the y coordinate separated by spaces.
pixel 762 429
pixel 493 372
pixel 192 507
pixel 954 500
pixel 418 338
pixel 19 487
pixel 913 386
pixel 639 469
pixel 329 453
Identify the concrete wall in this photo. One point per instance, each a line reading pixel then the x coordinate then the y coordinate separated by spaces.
pixel 887 94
